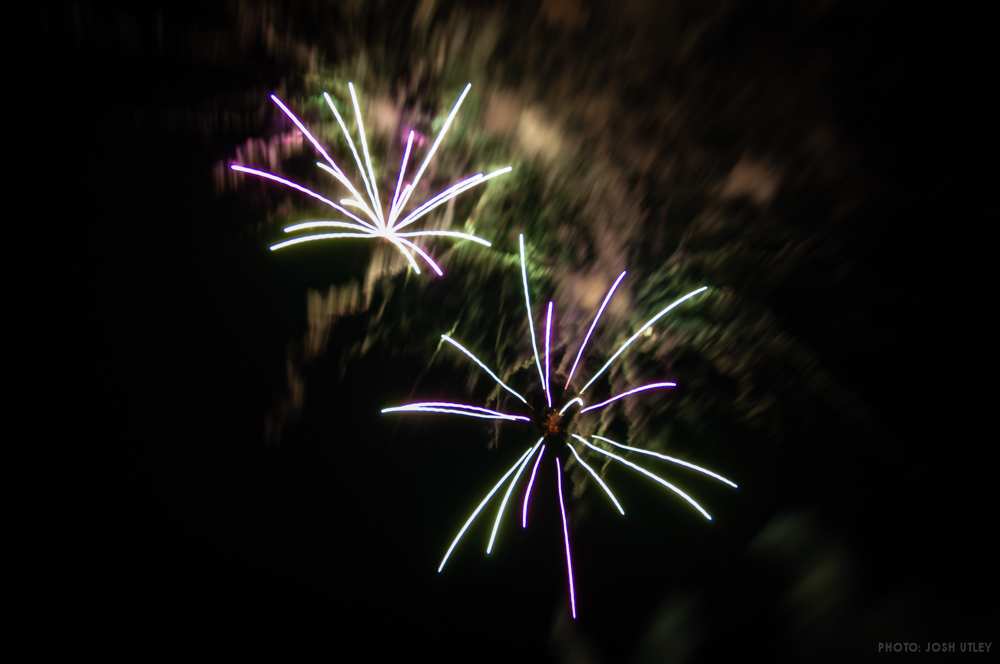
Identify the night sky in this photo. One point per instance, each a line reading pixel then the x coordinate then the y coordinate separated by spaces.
pixel 227 525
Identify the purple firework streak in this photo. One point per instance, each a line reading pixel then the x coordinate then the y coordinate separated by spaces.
pixel 371 220
pixel 553 424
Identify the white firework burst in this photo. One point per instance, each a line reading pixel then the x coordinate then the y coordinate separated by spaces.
pixel 372 221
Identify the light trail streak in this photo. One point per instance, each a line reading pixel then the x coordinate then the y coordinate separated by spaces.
pixel 506 496
pixel 569 559
pixel 635 390
pixel 680 462
pixel 479 508
pixel 593 324
pixel 647 473
pixel 642 329
pixel 593 473
pixel 483 366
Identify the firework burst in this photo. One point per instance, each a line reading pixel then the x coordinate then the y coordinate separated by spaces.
pixel 555 426
pixel 372 221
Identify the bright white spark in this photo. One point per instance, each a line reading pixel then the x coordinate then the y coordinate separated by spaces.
pixel 597 317
pixel 479 508
pixel 293 185
pixel 645 472
pixel 527 304
pixel 570 403
pixel 455 409
pixel 451 192
pixel 313 238
pixel 506 496
pixel 680 462
pixel 323 223
pixel 399 179
pixel 364 148
pixel 378 226
pixel 642 329
pixel 482 366
pixel 455 234
pixel 569 560
pixel 548 333
pixel 642 388
pixel 597 477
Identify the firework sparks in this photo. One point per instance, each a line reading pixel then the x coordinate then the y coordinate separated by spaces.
pixel 377 225
pixel 553 423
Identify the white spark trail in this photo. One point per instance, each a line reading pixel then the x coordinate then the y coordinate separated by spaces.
pixel 548 332
pixel 593 324
pixel 455 409
pixel 506 496
pixel 642 329
pixel 323 223
pixel 479 508
pixel 312 238
pixel 635 390
pixel 297 187
pixel 423 254
pixel 368 160
pixel 593 473
pixel 455 234
pixel 483 366
pixel 680 462
pixel 647 473
pixel 399 180
pixel 570 403
pixel 527 304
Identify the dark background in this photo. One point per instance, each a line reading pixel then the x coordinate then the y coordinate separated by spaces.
pixel 197 534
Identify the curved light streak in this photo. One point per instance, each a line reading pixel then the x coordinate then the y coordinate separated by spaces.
pixel 548 333
pixel 645 472
pixel 288 183
pixel 506 496
pixel 679 462
pixel 569 559
pixel 455 234
pixel 306 225
pixel 455 409
pixel 399 179
pixel 479 508
pixel 305 132
pixel 635 390
pixel 531 483
pixel 423 254
pixel 483 366
pixel 313 238
pixel 439 199
pixel 642 329
pixel 527 304
pixel 593 473
pixel 570 403
pixel 593 324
